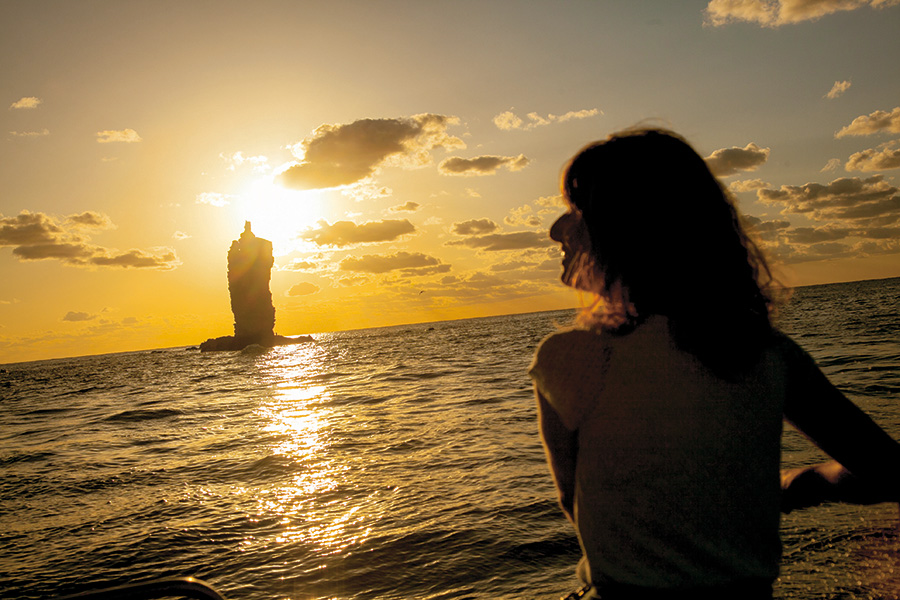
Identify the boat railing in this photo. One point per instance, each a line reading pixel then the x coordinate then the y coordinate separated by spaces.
pixel 171 587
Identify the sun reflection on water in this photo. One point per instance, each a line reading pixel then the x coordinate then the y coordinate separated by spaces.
pixel 299 416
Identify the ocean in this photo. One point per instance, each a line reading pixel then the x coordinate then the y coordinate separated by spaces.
pixel 392 463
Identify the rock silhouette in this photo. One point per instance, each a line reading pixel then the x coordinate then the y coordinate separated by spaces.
pixel 249 270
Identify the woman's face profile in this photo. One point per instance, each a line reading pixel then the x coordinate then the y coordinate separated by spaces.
pixel 570 232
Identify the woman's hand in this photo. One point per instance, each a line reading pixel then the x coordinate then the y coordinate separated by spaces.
pixel 831 482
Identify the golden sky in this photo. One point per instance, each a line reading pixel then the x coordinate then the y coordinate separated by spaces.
pixel 404 156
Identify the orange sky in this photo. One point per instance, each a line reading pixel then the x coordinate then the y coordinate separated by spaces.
pixel 404 156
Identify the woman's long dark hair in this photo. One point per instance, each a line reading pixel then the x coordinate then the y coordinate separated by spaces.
pixel 664 237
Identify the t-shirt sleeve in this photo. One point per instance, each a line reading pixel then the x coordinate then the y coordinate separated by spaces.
pixel 568 370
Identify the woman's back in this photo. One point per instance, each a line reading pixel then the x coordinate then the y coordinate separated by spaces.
pixel 677 479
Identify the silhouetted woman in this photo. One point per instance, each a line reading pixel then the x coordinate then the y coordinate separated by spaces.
pixel 662 414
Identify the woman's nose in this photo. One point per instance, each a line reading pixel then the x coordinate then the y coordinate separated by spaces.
pixel 558 228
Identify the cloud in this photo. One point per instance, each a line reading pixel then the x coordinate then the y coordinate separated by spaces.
pixel 259 164
pixel 747 185
pixel 869 201
pixel 28 229
pixel 838 89
pixel 180 235
pixel 37 236
pixel 764 229
pixel 876 122
pixel 512 265
pixel 408 207
pixel 482 165
pixel 338 155
pixel 474 227
pixel 817 235
pixel 551 201
pixel 299 265
pixel 886 156
pixel 30 134
pixel 508 120
pixel 76 316
pixel 346 233
pixel 214 199
pixel 303 289
pixel 353 281
pixel 108 136
pixel 25 103
pixel 774 13
pixel 90 219
pixel 366 190
pixel 519 240
pixel 161 258
pixel 728 161
pixel 832 165
pixel 409 262
pixel 522 216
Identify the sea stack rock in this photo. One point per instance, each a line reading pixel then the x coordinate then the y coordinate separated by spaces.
pixel 249 271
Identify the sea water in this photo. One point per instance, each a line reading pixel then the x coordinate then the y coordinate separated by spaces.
pixel 400 462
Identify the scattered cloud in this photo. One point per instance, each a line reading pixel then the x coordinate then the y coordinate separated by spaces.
pixel 408 207
pixel 353 281
pixel 817 235
pixel 519 240
pixel 366 190
pixel 337 155
pixel 866 202
pixel 30 134
pixel 108 136
pixel 299 265
pixel 303 289
pixel 180 235
pixel 37 236
pixel 511 265
pixel 76 316
pixel 762 228
pixel 554 202
pixel 486 286
pixel 90 219
pixel 838 89
pixel 408 262
pixel 886 156
pixel 522 215
pixel 747 185
pixel 832 165
pixel 508 120
pixel 25 103
pixel 346 233
pixel 259 164
pixel 876 122
pixel 482 165
pixel 159 258
pixel 728 161
pixel 775 13
pixel 474 227
pixel 214 199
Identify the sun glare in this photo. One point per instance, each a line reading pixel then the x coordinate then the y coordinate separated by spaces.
pixel 279 214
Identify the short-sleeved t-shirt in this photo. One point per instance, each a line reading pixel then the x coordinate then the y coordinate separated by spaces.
pixel 678 470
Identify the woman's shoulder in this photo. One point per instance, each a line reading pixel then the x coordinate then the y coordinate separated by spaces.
pixel 567 350
pixel 569 337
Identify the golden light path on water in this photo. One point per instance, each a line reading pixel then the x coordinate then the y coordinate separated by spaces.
pixel 298 415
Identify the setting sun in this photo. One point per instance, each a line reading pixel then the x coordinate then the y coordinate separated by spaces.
pixel 279 214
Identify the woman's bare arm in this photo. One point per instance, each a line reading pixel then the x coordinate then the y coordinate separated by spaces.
pixel 866 466
pixel 561 446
